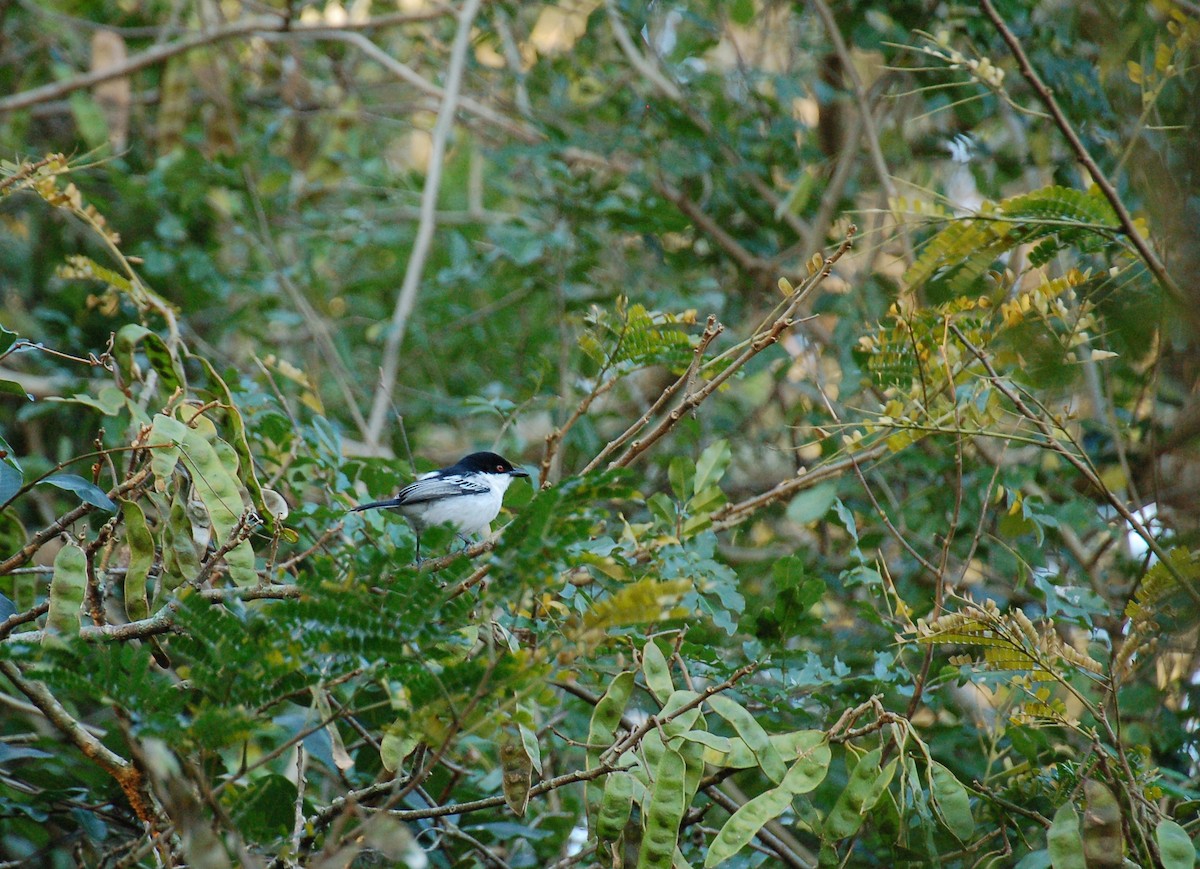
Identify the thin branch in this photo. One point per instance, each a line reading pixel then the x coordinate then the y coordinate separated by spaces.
pixel 644 65
pixel 652 722
pixel 761 340
pixel 746 260
pixel 864 109
pixel 407 298
pixel 316 323
pixel 711 330
pixel 734 514
pixel 163 620
pixel 258 26
pixel 18 619
pixel 649 70
pixel 1081 153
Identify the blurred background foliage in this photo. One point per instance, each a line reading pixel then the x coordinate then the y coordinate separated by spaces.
pixel 617 172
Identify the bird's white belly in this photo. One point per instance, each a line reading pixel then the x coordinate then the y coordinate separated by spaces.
pixel 466 513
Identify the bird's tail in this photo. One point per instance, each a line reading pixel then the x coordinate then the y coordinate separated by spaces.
pixel 374 505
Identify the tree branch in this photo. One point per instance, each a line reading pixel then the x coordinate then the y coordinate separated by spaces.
pixel 125 773
pixel 407 298
pixel 258 26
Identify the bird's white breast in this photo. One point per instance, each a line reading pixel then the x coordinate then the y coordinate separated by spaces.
pixel 468 514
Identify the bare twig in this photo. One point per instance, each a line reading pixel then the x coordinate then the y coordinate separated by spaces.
pixel 316 323
pixel 520 131
pixel 163 620
pixel 644 65
pixel 759 342
pixel 734 514
pixel 711 330
pixel 407 298
pixel 18 619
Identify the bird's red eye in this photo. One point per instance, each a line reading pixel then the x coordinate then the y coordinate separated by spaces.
pixel 500 468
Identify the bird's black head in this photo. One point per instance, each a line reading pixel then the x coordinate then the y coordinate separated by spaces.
pixel 488 463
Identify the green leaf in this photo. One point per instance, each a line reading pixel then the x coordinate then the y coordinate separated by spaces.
pixel 741 12
pixel 88 492
pixel 812 504
pixel 66 594
pixel 89 118
pixel 679 474
pixel 264 810
pixel 711 465
pixel 706 500
pixel 11 480
pixel 398 743
pixel 846 517
pixel 7 339
pixel 109 400
pixel 662 508
pixel 530 741
pixel 952 802
pixel 1174 845
pixel 157 354
pixel 657 672
pixel 1035 860
pixel 11 387
pixel 1064 841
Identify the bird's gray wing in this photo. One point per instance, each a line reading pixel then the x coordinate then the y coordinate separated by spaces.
pixel 434 488
pixel 429 488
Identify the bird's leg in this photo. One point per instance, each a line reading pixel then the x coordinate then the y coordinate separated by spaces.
pixel 418 548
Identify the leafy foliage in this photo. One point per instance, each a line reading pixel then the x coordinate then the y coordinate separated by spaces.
pixel 737 620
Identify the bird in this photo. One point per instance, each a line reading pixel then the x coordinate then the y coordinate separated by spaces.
pixel 466 495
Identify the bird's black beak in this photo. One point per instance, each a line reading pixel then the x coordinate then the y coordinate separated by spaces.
pixel 518 472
